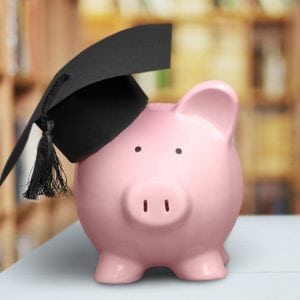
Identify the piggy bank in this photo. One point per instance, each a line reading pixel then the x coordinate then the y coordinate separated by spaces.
pixel 166 191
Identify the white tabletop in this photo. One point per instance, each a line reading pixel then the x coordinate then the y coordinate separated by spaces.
pixel 264 264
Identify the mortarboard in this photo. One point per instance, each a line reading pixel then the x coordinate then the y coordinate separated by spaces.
pixel 90 101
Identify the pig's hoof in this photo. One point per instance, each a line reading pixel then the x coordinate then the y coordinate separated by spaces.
pixel 117 270
pixel 207 266
pixel 224 256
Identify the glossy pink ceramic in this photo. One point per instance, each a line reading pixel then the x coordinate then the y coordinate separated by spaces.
pixel 166 191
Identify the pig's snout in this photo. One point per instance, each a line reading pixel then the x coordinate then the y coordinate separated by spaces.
pixel 156 205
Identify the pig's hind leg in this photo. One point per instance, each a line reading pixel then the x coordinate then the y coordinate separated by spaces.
pixel 116 269
pixel 205 266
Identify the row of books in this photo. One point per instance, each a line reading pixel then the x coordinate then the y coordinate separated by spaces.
pixel 273 198
pixel 33 35
pixel 36 39
pixel 274 143
pixel 177 8
pixel 269 197
pixel 2 37
pixel 270 64
pixel 202 52
pixel 20 35
pixel 266 142
pixel 273 8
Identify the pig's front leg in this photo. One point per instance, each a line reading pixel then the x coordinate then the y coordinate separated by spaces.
pixel 224 255
pixel 205 266
pixel 117 269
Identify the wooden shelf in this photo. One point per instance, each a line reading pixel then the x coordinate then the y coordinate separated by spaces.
pixel 25 208
pixel 24 82
pixel 146 19
pixel 263 99
pixel 209 17
pixel 270 178
pixel 270 19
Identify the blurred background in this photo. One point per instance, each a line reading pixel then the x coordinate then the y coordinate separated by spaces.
pixel 254 45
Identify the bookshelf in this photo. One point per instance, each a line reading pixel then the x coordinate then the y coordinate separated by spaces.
pixel 36 39
pixel 295 89
pixel 250 44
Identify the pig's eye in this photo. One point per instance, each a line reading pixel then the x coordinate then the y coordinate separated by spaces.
pixel 178 151
pixel 138 149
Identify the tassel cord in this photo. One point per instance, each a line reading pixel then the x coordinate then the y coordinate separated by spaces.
pixel 47 176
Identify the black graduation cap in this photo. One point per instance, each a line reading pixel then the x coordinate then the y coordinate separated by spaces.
pixel 90 101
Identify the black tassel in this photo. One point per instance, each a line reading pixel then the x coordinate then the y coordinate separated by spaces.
pixel 48 177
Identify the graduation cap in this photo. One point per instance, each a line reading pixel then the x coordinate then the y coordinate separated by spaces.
pixel 90 101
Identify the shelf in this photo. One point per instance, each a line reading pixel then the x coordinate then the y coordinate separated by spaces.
pixel 148 18
pixel 24 82
pixel 25 208
pixel 262 18
pixel 209 17
pixel 270 178
pixel 144 19
pixel 261 98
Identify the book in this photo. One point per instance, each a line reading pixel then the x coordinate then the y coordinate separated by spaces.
pixel 270 67
pixel 204 52
pixel 274 142
pixel 272 198
pixel 275 7
pixel 3 59
pixel 11 37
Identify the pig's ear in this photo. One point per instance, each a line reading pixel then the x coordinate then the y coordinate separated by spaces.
pixel 216 102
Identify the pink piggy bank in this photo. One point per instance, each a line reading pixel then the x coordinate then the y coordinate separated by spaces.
pixel 167 190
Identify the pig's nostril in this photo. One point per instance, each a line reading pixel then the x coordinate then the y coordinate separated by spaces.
pixel 145 204
pixel 167 205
